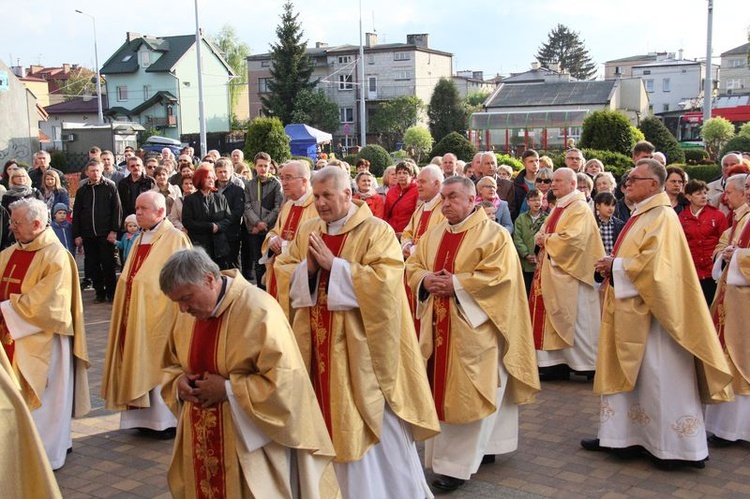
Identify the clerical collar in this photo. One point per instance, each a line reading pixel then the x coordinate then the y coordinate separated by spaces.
pixel 225 282
pixel 429 205
pixel 458 226
pixel 334 228
pixel 567 199
pixel 153 229
pixel 643 203
pixel 302 198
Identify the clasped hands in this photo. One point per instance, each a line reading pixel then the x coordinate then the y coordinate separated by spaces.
pixel 604 266
pixel 318 255
pixel 439 284
pixel 206 389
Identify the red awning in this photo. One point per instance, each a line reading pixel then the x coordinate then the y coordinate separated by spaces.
pixel 734 114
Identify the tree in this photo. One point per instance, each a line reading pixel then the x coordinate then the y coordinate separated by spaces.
pixel 235 53
pixel 565 47
pixel 291 67
pixel 607 130
pixel 393 117
pixel 377 156
pixel 745 130
pixel 313 108
pixel 659 135
pixel 418 142
pixel 736 143
pixel 267 135
pixel 474 101
pixel 715 133
pixel 81 81
pixel 446 112
pixel 457 144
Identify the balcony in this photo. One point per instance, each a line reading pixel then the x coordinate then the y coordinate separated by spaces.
pixel 168 122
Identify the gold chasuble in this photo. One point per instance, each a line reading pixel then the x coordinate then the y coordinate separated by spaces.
pixel 656 259
pixel 731 311
pixel 249 343
pixel 142 317
pixel 372 351
pixel 25 472
pixel 287 224
pixel 574 246
pixel 41 282
pixel 463 359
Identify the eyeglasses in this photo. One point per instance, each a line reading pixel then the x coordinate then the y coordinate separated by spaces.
pixel 544 180
pixel 573 158
pixel 16 223
pixel 632 179
pixel 287 179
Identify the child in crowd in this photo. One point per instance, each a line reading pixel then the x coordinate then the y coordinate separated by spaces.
pixel 609 225
pixel 551 201
pixel 526 226
pixel 62 227
pixel 128 238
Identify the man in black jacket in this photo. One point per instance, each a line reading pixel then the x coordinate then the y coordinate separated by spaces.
pixel 96 220
pixel 133 186
pixel 233 189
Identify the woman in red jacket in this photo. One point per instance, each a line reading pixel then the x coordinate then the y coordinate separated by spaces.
pixel 401 200
pixel 703 225
pixel 367 193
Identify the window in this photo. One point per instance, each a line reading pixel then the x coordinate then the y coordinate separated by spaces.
pixel 146 92
pixel 665 107
pixel 265 64
pixel 371 59
pixel 737 63
pixel 649 85
pixel 345 82
pixel 345 59
pixel 646 71
pixel 263 85
pixel 122 93
pixel 145 58
pixel 618 70
pixel 401 56
pixel 402 75
pixel 372 84
pixel 346 114
pixel 665 85
pixel 733 83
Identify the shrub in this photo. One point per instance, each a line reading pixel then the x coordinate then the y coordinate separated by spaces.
pixel 59 161
pixel 614 162
pixel 457 144
pixel 695 156
pixel 738 143
pixel 267 135
pixel 377 156
pixel 505 159
pixel 707 173
pixel 659 135
pixel 716 132
pixel 418 141
pixel 350 158
pixel 744 130
pixel 607 130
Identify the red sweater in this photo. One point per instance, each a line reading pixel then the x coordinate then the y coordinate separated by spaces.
pixel 399 206
pixel 702 234
pixel 375 203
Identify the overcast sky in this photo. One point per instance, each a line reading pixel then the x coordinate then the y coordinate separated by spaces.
pixel 495 36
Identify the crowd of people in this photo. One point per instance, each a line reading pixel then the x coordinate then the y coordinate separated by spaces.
pixel 297 330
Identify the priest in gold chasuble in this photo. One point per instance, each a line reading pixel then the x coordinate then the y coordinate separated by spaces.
pixel 249 424
pixel 353 327
pixel 42 327
pixel 475 335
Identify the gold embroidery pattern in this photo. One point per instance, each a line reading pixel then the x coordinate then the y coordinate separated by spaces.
pixel 687 426
pixel 637 415
pixel 206 439
pixel 319 329
pixel 605 411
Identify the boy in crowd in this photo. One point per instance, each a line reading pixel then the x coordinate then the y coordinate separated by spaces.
pixel 609 225
pixel 63 228
pixel 526 226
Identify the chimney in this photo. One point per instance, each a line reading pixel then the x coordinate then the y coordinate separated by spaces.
pixel 679 57
pixel 66 68
pixel 371 39
pixel 535 65
pixel 34 68
pixel 132 35
pixel 321 45
pixel 418 40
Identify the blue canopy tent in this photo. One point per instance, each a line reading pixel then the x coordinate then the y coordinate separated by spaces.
pixel 305 139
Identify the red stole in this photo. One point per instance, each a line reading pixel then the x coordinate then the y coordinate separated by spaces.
pixel 321 323
pixel 536 300
pixel 437 365
pixel 207 424
pixel 138 257
pixel 287 233
pixel 13 276
pixel 424 222
pixel 718 312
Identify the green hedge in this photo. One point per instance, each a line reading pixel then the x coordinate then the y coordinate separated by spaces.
pixel 377 156
pixel 707 173
pixel 696 156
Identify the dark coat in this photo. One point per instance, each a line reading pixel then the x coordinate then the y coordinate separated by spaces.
pixel 97 210
pixel 199 214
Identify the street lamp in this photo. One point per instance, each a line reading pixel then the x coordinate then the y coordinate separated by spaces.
pixel 98 75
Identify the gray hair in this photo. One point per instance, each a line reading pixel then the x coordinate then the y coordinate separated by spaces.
pixel 43 153
pixel 35 209
pixel 157 198
pixel 433 172
pixel 656 169
pixel 187 266
pixel 341 180
pixel 465 182
pixel 737 180
pixel 608 176
pixel 738 156
pixel 302 167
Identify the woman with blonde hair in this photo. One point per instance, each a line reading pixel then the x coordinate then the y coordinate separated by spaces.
pixel 53 192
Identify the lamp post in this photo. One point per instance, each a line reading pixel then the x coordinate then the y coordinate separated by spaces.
pixel 98 75
pixel 708 85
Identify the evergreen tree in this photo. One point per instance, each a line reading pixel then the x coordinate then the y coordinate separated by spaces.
pixel 235 53
pixel 291 67
pixel 565 47
pixel 446 111
pixel 607 130
pixel 659 135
